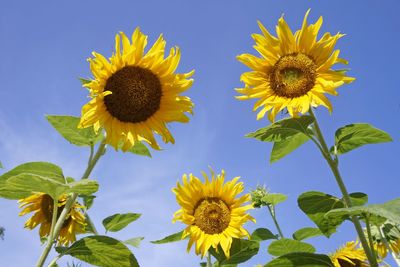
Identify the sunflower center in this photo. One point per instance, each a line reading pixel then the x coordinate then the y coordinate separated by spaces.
pixel 212 215
pixel 293 75
pixel 344 263
pixel 136 94
pixel 47 209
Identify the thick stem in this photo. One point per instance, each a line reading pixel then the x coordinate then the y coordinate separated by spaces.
pixel 386 243
pixel 90 222
pixel 371 241
pixel 334 167
pixel 209 263
pixel 71 200
pixel 273 215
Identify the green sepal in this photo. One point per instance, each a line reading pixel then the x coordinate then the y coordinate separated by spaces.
pixel 84 81
pixel 119 221
pixel 139 149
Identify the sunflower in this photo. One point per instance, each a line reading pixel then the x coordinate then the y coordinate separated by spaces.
pixel 392 236
pixel 294 70
pixel 135 94
pixel 349 256
pixel 42 206
pixel 212 211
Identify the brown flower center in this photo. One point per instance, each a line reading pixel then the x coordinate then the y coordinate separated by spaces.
pixel 136 94
pixel 47 209
pixel 212 215
pixel 293 75
pixel 343 263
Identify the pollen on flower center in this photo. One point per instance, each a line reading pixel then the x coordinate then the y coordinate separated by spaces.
pixel 136 94
pixel 212 215
pixel 293 75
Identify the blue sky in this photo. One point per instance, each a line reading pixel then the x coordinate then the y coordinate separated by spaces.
pixel 44 48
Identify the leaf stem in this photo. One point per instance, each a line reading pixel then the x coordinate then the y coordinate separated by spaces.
pixel 371 242
pixel 273 215
pixel 71 200
pixel 333 164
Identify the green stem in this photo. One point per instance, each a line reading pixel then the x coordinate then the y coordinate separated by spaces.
pixel 71 200
pixel 273 215
pixel 90 222
pixel 371 242
pixel 209 263
pixel 386 243
pixel 334 167
pixel 54 261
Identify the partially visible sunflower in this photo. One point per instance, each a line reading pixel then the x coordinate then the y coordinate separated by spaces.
pixel 349 256
pixel 212 210
pixel 392 236
pixel 42 206
pixel 294 70
pixel 135 94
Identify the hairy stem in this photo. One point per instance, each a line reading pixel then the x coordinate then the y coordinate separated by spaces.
pixel 273 215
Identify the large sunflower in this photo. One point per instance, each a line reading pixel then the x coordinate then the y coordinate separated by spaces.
pixel 42 206
pixel 294 70
pixel 135 94
pixel 349 256
pixel 213 212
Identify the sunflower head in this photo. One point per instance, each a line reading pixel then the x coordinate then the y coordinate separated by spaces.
pixel 212 210
pixel 392 235
pixel 42 207
pixel 349 256
pixel 294 70
pixel 135 94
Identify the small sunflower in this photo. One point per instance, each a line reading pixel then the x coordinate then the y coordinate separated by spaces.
pixel 42 206
pixel 212 211
pixel 349 256
pixel 392 236
pixel 294 70
pixel 135 94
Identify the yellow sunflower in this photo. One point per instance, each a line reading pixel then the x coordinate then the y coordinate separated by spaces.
pixel 212 210
pixel 42 206
pixel 382 250
pixel 294 70
pixel 136 93
pixel 392 236
pixel 349 256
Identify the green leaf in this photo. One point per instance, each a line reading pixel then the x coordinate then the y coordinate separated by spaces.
pixel 118 221
pixel 356 135
pixel 261 234
pixel 241 251
pixel 274 198
pixel 168 239
pixel 83 187
pixel 287 146
pixel 67 126
pixel 389 210
pixel 88 201
pixel 301 260
pixel 306 232
pixel 140 149
pixel 286 245
pixel 1 165
pixel 46 170
pixel 316 205
pixel 283 129
pixel 135 242
pixel 358 198
pixel 84 81
pixel 102 251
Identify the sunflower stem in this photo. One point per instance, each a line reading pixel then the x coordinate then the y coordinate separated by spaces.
pixel 71 200
pixel 386 243
pixel 54 261
pixel 333 164
pixel 273 215
pixel 371 242
pixel 209 263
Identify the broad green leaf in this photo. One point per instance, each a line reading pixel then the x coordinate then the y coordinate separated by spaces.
pixel 118 221
pixel 241 251
pixel 306 232
pixel 316 205
pixel 358 198
pixel 102 251
pixel 135 242
pixel 301 260
pixel 67 126
pixel 140 149
pixel 46 170
pixel 355 135
pixel 261 234
pixel 84 81
pixel 274 198
pixel 287 146
pixel 88 201
pixel 217 264
pixel 389 210
pixel 283 129
pixel 168 239
pixel 285 245
pixel 83 187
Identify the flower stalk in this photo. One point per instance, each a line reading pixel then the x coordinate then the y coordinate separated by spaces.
pixel 271 209
pixel 55 230
pixel 333 164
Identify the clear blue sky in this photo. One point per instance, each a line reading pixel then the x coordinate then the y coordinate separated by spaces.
pixel 44 46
